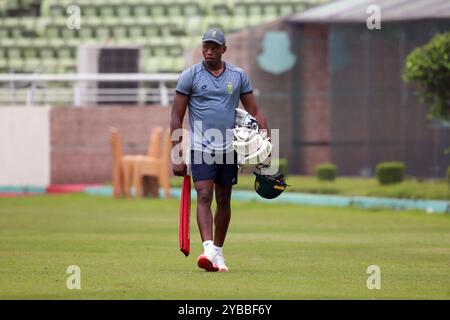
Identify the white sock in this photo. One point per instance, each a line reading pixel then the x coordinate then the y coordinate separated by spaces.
pixel 217 250
pixel 208 246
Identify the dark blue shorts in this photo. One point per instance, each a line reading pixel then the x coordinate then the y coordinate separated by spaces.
pixel 221 168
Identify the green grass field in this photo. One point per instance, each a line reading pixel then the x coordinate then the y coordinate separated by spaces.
pixel 128 249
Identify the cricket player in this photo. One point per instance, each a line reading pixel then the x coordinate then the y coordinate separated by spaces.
pixel 212 89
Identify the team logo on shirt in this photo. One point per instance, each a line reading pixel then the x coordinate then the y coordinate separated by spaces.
pixel 230 88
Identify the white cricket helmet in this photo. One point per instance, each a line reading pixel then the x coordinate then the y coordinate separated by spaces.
pixel 246 141
pixel 245 120
pixel 261 149
pixel 251 146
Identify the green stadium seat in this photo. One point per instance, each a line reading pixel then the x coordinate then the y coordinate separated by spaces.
pixel 50 65
pixel 69 33
pixel 175 50
pixel 189 42
pixel 102 33
pixel 47 53
pixel 30 52
pixel 151 31
pixel 179 64
pixel 240 10
pixel 255 20
pixel 3 58
pixel 119 32
pixel 136 32
pixel 222 22
pixel 41 25
pixel 23 42
pixel 57 10
pixel 170 41
pixel 93 21
pixel 86 34
pixel 166 64
pixel 150 64
pixel 3 7
pixel 17 32
pixel 105 9
pixel 191 9
pixel 11 23
pixel 299 7
pixel 32 65
pixel 174 10
pixel 12 4
pixel 141 10
pixel 239 22
pixel 286 9
pixel 160 51
pixel 9 42
pixel 89 11
pixel 40 43
pixel 194 25
pixel 66 58
pixel 221 9
pixel 157 10
pixel 15 59
pixel 4 33
pixel 29 23
pixel 270 12
pixel 146 52
pixel 255 9
pixel 52 31
pixel 125 15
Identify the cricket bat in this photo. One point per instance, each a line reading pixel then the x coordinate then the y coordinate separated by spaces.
pixel 185 214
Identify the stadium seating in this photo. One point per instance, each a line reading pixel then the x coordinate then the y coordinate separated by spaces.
pixel 34 36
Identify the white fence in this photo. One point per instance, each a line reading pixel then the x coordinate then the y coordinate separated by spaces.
pixel 83 90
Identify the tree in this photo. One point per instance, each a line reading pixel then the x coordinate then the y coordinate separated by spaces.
pixel 428 67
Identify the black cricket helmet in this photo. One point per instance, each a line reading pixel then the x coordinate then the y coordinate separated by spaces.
pixel 270 186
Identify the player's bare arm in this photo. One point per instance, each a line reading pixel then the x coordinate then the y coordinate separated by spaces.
pixel 249 102
pixel 178 111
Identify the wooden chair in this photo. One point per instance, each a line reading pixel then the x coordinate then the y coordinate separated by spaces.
pixel 157 167
pixel 123 164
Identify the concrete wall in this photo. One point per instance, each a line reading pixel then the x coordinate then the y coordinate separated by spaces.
pixel 24 146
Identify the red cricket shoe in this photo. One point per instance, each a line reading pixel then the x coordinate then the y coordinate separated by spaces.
pixel 204 262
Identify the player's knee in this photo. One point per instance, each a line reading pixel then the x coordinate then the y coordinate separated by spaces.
pixel 204 196
pixel 223 200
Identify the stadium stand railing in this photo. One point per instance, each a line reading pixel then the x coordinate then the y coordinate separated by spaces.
pixel 77 89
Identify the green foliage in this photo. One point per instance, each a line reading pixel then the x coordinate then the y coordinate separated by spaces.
pixel 428 67
pixel 326 172
pixel 390 172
